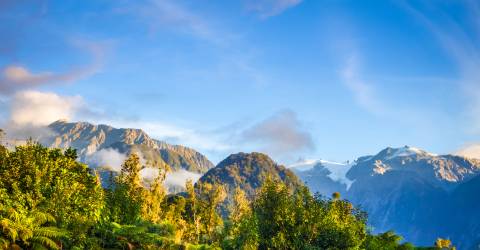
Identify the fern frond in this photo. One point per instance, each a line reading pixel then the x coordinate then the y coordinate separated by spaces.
pixel 37 246
pixel 46 242
pixel 50 232
pixel 42 218
pixel 4 243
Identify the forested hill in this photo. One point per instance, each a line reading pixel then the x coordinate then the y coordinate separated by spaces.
pixel 248 171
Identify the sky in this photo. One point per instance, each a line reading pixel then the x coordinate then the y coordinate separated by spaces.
pixel 297 79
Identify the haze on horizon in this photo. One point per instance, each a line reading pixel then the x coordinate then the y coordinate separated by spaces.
pixel 292 78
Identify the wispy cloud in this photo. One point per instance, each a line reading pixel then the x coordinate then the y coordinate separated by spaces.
pixel 235 56
pixel 172 15
pixel 269 8
pixel 15 77
pixel 363 92
pixel 460 39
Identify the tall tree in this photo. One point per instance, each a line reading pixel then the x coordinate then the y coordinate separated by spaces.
pixel 192 233
pixel 127 198
pixel 210 197
pixel 155 196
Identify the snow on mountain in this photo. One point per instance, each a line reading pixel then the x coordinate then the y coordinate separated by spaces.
pixel 408 151
pixel 337 170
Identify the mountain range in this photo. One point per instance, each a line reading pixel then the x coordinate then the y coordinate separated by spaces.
pixel 419 195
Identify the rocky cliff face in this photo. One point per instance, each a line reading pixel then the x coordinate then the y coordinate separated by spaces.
pixel 89 138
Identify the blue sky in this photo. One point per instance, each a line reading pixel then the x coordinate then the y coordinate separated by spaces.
pixel 296 79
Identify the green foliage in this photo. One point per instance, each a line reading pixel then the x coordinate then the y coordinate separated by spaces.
pixel 35 178
pixel 300 220
pixel 28 229
pixel 388 241
pixel 139 236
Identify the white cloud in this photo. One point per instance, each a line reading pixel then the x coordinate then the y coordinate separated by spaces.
pixel 42 108
pixel 179 177
pixel 174 181
pixel 149 173
pixel 268 8
pixel 109 158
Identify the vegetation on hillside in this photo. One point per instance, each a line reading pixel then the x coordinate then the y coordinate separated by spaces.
pixel 48 200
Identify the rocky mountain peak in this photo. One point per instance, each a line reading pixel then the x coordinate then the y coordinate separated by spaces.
pixel 443 170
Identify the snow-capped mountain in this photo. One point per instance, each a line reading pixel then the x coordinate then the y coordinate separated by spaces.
pixel 408 190
pixel 418 194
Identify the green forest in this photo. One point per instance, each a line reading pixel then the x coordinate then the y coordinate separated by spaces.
pixel 49 200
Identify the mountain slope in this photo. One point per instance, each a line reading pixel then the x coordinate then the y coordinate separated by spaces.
pixel 463 218
pixel 88 139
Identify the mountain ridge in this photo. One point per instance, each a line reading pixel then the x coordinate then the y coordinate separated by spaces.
pixel 89 138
